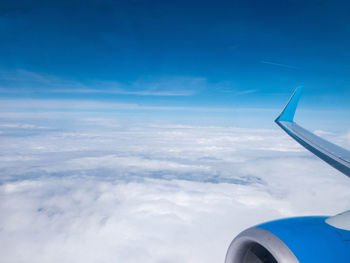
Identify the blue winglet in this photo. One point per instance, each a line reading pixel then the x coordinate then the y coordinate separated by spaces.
pixel 334 155
pixel 289 110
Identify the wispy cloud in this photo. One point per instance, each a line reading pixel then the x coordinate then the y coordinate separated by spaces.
pixel 247 91
pixel 233 88
pixel 236 92
pixel 22 105
pixel 23 81
pixel 279 64
pixel 126 92
pixel 20 126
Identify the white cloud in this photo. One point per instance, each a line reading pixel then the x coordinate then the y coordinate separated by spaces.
pixel 346 140
pixel 152 193
pixel 22 107
pixel 24 81
pixel 20 126
pixel 279 64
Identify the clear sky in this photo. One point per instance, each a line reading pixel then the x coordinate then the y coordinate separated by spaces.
pixel 186 56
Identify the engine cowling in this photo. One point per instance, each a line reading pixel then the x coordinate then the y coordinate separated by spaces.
pixel 292 240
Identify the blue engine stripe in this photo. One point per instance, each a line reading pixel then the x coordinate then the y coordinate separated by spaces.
pixel 311 239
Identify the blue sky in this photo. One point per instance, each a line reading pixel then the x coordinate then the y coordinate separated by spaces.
pixel 196 56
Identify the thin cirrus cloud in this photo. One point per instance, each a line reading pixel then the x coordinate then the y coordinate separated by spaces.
pixel 7 105
pixel 28 81
pixel 126 92
pixel 278 64
pixel 156 193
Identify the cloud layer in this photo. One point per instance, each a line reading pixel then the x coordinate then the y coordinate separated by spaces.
pixel 127 193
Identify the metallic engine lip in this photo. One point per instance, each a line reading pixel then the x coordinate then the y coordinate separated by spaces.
pixel 272 243
pixel 340 221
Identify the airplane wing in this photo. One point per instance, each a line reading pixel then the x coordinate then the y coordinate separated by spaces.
pixel 334 155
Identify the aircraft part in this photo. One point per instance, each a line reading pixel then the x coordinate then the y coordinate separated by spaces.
pixel 292 240
pixel 334 155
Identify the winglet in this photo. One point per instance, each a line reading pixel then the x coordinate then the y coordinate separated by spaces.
pixel 332 154
pixel 289 110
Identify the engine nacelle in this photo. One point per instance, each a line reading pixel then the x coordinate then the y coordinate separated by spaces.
pixel 294 240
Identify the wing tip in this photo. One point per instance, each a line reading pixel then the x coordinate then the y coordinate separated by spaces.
pixel 289 110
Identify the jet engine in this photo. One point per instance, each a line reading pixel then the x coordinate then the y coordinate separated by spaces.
pixel 294 240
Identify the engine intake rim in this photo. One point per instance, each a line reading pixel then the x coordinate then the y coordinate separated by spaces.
pixel 261 244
